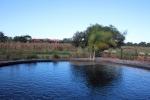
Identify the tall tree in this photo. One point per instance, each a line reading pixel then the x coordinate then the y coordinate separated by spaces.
pixel 80 39
pixel 3 38
pixel 99 39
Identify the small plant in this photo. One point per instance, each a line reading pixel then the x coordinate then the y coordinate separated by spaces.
pixel 55 56
pixel 8 57
pixel 32 56
pixel 46 57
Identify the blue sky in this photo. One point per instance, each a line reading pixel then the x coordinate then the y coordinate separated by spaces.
pixel 57 19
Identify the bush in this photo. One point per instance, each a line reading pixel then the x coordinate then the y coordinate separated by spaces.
pixel 80 52
pixel 55 56
pixel 32 56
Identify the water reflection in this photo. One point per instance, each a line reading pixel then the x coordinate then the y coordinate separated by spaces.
pixel 96 75
pixel 55 63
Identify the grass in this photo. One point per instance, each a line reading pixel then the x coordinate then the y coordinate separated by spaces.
pixel 130 52
pixel 15 51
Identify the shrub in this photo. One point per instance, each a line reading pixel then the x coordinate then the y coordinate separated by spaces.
pixel 80 52
pixel 55 56
pixel 32 56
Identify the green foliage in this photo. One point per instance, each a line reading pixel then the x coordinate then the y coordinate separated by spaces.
pixel 14 51
pixel 130 52
pixel 32 56
pixel 98 32
pixel 101 40
pixel 98 38
pixel 80 39
pixel 55 56
pixel 24 38
pixel 104 37
pixel 67 40
pixel 81 53
pixel 142 44
pixel 3 38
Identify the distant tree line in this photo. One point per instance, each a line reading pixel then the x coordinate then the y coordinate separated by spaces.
pixel 23 38
pixel 66 40
pixel 142 44
pixel 28 38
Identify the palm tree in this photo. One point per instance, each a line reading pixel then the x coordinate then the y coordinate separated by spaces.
pixel 100 40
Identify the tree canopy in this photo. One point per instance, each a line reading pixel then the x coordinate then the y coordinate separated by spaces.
pixel 81 39
pixel 4 38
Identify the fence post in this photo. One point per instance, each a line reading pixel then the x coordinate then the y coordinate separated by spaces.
pixel 121 53
pixel 136 53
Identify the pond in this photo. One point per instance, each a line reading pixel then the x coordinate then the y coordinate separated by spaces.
pixel 68 80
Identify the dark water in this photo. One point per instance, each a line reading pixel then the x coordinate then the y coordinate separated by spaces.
pixel 66 81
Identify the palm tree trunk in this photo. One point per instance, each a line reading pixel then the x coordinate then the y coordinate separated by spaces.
pixel 90 56
pixel 93 55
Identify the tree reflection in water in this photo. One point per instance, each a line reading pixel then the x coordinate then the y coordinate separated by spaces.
pixel 96 75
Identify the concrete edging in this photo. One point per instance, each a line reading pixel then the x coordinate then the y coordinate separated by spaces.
pixel 138 64
pixel 6 63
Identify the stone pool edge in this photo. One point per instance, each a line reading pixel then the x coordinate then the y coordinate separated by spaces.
pixel 137 64
pixel 134 63
pixel 6 63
